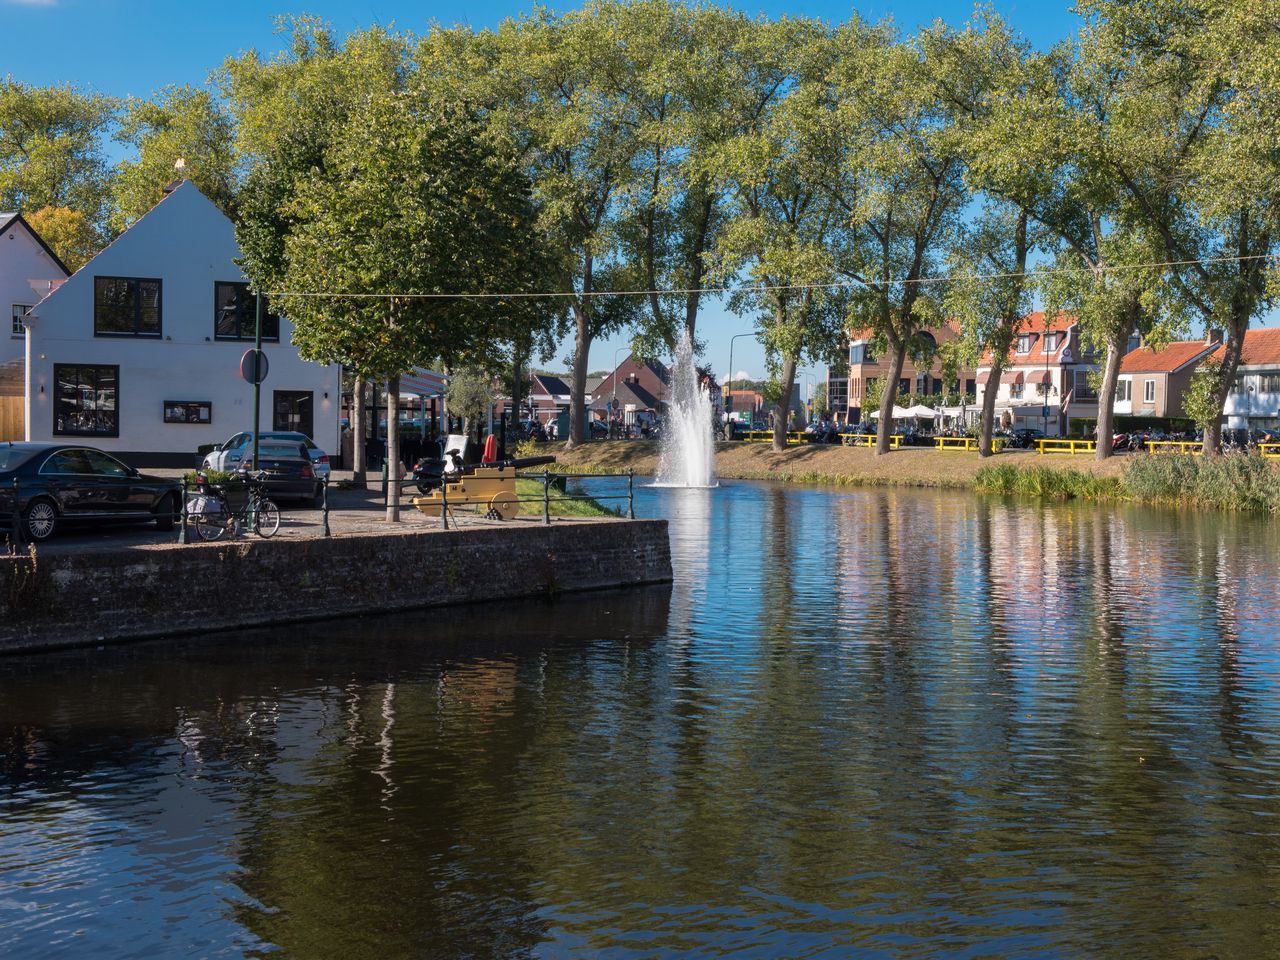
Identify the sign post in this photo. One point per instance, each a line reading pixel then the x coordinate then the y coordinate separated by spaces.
pixel 253 369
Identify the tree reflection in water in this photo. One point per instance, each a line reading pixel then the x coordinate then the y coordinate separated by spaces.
pixel 946 725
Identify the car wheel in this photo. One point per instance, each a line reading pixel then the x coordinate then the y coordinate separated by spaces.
pixel 41 520
pixel 164 512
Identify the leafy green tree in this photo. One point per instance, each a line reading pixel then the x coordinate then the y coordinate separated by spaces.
pixel 414 214
pixel 901 190
pixel 1201 402
pixel 543 84
pixel 69 233
pixel 288 110
pixel 783 217
pixel 470 394
pixel 1194 117
pixel 51 149
pixel 184 133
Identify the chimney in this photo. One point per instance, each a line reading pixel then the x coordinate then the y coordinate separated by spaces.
pixel 1215 336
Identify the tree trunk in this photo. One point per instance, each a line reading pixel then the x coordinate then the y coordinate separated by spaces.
pixel 358 428
pixel 1107 395
pixel 782 421
pixel 1233 347
pixel 986 430
pixel 393 449
pixel 516 392
pixel 889 398
pixel 578 391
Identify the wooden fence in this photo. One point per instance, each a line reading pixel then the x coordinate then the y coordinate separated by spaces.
pixel 12 426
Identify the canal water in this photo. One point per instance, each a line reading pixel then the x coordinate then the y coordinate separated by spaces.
pixel 859 724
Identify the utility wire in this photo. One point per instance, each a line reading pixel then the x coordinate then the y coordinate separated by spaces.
pixel 774 287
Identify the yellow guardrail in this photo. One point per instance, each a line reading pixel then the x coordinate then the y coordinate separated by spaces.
pixel 1176 446
pixel 1065 445
pixel 967 443
pixel 766 436
pixel 1269 450
pixel 869 440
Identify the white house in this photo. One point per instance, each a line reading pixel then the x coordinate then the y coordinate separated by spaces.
pixel 1045 382
pixel 28 271
pixel 1254 400
pixel 139 352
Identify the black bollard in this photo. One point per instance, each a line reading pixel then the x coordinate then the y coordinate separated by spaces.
pixel 324 506
pixel 182 529
pixel 444 504
pixel 17 515
pixel 546 498
pixel 631 494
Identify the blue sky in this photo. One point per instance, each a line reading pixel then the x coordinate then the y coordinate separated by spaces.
pixel 133 47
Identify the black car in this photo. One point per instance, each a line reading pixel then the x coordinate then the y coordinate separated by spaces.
pixel 290 474
pixel 65 483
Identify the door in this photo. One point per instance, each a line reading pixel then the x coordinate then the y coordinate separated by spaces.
pixel 292 410
pixel 122 490
pixel 69 478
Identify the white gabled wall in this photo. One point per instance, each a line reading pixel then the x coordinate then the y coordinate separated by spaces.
pixel 27 273
pixel 188 244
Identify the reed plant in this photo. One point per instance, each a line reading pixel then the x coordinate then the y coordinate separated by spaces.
pixel 1046 483
pixel 1233 482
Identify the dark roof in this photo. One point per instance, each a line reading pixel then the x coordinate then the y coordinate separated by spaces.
pixel 628 393
pixel 552 385
pixel 9 219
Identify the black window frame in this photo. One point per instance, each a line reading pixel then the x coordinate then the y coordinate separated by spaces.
pixel 246 315
pixel 57 399
pixel 17 328
pixel 137 331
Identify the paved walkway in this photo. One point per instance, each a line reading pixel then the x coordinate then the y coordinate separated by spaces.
pixel 352 511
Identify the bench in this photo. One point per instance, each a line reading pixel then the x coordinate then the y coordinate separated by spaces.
pixel 1269 450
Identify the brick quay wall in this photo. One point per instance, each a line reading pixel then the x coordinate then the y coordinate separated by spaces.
pixel 59 599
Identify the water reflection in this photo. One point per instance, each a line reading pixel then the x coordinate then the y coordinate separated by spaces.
pixel 947 725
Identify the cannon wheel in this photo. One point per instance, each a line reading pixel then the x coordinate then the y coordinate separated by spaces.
pixel 504 505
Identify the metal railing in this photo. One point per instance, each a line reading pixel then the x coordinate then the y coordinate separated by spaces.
pixel 449 504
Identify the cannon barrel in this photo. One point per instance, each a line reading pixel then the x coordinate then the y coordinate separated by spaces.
pixel 519 462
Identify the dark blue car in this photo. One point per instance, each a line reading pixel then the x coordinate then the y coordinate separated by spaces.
pixel 69 483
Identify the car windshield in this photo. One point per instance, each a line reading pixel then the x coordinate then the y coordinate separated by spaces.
pixel 13 457
pixel 279 450
pixel 297 438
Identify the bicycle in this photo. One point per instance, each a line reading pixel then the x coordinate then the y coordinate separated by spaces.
pixel 228 508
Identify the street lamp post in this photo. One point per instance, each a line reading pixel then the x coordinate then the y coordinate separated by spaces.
pixel 1044 400
pixel 729 376
pixel 613 405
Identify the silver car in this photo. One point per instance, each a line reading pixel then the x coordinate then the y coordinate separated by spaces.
pixel 239 449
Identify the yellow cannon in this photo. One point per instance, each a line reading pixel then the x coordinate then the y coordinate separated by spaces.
pixel 489 488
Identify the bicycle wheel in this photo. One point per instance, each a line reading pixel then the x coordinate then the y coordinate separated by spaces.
pixel 266 519
pixel 211 526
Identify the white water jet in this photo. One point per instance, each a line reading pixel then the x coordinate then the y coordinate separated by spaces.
pixel 688 456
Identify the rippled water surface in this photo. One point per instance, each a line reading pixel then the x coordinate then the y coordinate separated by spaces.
pixel 860 724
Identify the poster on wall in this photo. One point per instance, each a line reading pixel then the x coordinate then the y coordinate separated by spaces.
pixel 188 411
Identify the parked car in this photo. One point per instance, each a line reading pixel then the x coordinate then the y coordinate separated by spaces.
pixel 289 471
pixel 67 483
pixel 239 448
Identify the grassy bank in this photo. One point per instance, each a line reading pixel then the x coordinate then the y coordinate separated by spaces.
pixel 1230 483
pixel 530 493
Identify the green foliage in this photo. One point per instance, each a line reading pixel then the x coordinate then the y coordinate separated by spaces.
pixel 470 394
pixel 1235 482
pixel 182 124
pixel 69 233
pixel 1201 402
pixel 872 392
pixel 1046 483
pixel 51 149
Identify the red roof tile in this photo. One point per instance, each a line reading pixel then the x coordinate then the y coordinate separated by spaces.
pixel 1171 358
pixel 1261 348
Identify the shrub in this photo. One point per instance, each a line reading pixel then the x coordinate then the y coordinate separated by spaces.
pixel 1046 483
pixel 1234 482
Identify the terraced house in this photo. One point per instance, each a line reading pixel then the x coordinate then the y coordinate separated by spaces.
pixel 1045 383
